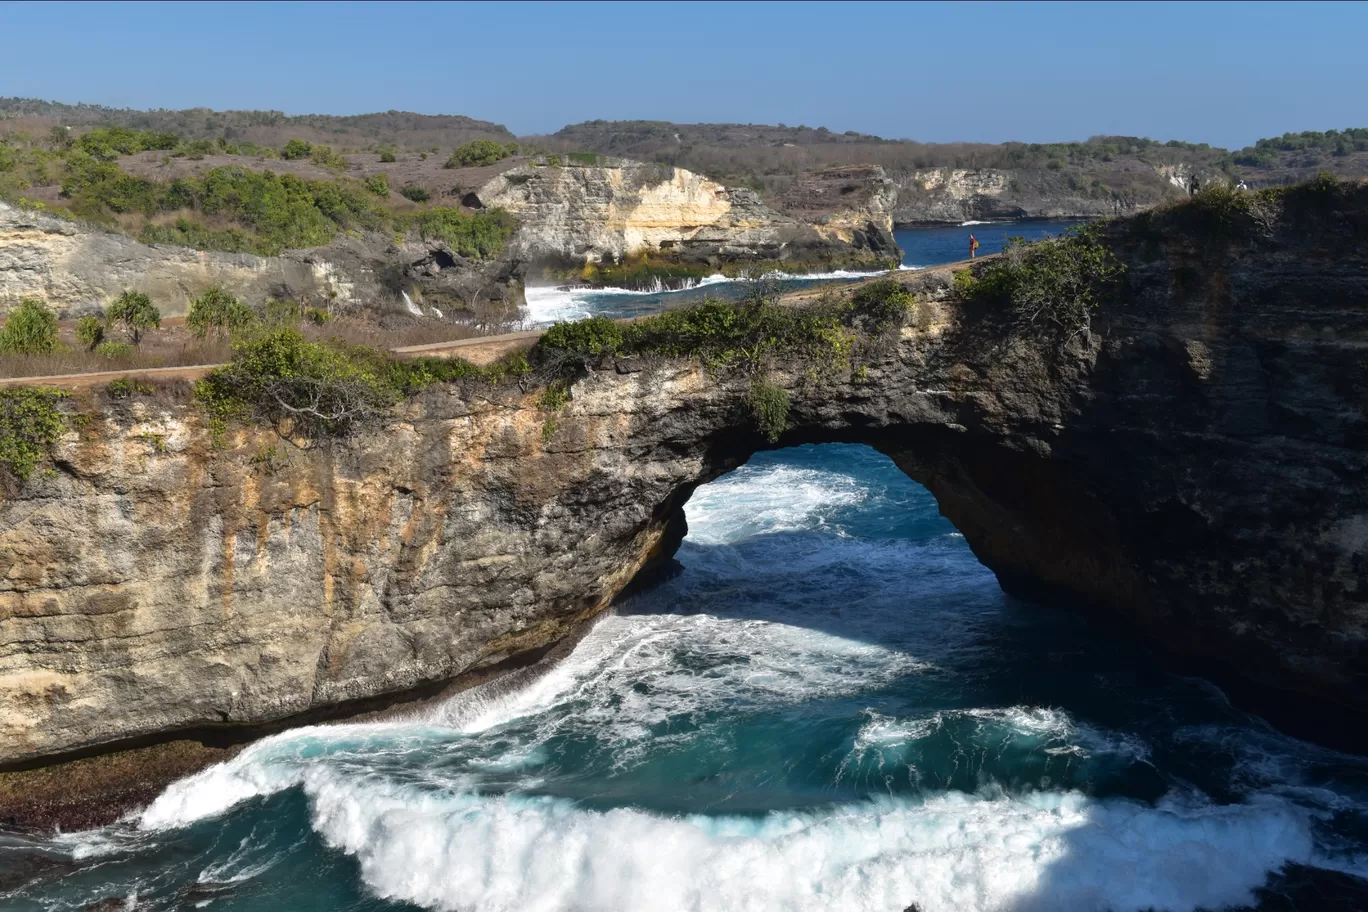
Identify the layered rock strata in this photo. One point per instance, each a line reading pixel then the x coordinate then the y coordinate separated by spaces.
pixel 577 215
pixel 1193 470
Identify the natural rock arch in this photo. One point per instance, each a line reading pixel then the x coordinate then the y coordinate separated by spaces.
pixel 1193 471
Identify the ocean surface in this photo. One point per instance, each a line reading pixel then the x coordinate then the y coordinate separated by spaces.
pixel 832 707
pixel 922 247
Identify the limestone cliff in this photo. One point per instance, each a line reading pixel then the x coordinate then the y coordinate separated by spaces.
pixel 77 269
pixel 939 195
pixel 1192 470
pixel 574 215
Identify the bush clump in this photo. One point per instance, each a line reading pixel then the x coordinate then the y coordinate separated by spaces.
pixel 109 143
pixel 90 332
pixel 217 311
pixel 135 312
pixel 1051 286
pixel 30 424
pixel 377 184
pixel 479 235
pixel 296 149
pixel 114 350
pixel 882 304
pixel 769 407
pixel 310 389
pixel 414 193
pixel 479 152
pixel 31 329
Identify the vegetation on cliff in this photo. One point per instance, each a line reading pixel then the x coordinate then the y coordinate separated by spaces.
pixel 30 424
pixel 233 208
pixel 1051 286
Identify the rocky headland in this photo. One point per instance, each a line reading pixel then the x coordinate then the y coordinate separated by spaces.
pixel 1190 468
pixel 588 221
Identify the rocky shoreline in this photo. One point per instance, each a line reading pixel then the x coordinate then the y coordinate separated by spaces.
pixel 1188 471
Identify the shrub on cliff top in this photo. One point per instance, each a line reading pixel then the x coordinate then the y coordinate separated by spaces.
pixel 479 152
pixel 219 312
pixel 769 407
pixel 30 424
pixel 479 236
pixel 721 334
pixel 311 389
pixel 1051 286
pixel 31 329
pixel 135 312
pixel 90 332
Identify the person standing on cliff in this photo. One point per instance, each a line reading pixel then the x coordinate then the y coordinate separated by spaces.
pixel 1194 186
pixel 973 246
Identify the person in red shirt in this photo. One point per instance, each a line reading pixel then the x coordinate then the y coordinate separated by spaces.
pixel 973 246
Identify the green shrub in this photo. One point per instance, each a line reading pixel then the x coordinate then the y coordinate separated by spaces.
pixel 881 304
pixel 387 154
pixel 325 157
pixel 479 235
pixel 30 425
pixel 415 193
pixel 114 350
pixel 90 332
pixel 197 149
pixel 479 152
pixel 121 388
pixel 109 143
pixel 583 158
pixel 555 396
pixel 769 407
pixel 377 184
pixel 186 233
pixel 317 316
pixel 296 149
pixel 217 311
pixel 317 390
pixel 580 341
pixel 1050 285
pixel 31 329
pixel 134 311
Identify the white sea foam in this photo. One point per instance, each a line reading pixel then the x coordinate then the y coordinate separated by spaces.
pixel 1045 851
pixel 972 222
pixel 759 500
pixel 548 304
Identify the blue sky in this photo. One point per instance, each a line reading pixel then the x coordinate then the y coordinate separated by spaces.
pixel 1224 73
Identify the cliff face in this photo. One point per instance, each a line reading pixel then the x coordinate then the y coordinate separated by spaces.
pixel 960 194
pixel 1192 471
pixel 576 215
pixel 76 269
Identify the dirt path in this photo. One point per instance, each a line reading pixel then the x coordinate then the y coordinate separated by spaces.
pixel 479 350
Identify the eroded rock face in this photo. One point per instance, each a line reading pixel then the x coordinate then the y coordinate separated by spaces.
pixel 1193 471
pixel 76 270
pixel 575 215
pixel 939 195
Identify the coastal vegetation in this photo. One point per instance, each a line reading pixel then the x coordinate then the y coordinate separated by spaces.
pixel 30 425
pixel 234 208
pixel 30 329
pixel 1051 287
pixel 480 152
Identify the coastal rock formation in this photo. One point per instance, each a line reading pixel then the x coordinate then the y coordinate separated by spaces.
pixel 960 194
pixel 574 215
pixel 76 269
pixel 1192 470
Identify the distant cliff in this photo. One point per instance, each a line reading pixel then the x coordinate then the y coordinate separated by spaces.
pixel 76 268
pixel 577 218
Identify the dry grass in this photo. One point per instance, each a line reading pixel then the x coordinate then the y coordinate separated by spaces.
pixel 174 346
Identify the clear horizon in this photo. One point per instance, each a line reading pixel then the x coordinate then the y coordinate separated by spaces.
pixel 968 72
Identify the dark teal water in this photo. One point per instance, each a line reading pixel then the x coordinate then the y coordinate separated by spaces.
pixel 833 706
pixel 921 247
